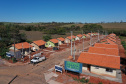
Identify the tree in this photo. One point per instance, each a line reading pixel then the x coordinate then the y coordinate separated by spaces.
pixel 92 27
pixel 47 37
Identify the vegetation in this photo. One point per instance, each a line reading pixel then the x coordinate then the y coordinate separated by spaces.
pixel 14 59
pixel 8 35
pixel 83 80
pixel 92 27
pixel 47 37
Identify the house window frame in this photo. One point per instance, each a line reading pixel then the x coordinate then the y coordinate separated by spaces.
pixel 97 67
pixel 109 70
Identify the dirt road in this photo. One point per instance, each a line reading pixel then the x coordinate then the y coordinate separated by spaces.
pixel 29 74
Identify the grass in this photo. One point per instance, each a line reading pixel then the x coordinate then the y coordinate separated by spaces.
pixel 83 80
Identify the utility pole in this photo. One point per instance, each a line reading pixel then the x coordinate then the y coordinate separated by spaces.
pixel 14 46
pixel 22 52
pixel 71 43
pixel 98 35
pixel 90 38
pixel 29 53
pixel 83 41
pixel 74 51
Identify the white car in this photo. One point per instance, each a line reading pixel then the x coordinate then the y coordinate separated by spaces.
pixel 38 59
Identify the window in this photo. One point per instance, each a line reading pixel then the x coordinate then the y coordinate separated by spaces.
pixel 96 67
pixel 109 70
pixel 46 44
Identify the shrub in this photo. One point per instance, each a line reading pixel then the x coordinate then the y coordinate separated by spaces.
pixel 14 60
pixel 7 58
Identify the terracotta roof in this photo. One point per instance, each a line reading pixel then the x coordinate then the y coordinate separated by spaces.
pixel 110 41
pixel 19 45
pixel 112 34
pixel 80 35
pixel 69 37
pixel 61 39
pixel 103 50
pixel 39 42
pixel 54 40
pixel 106 45
pixel 110 61
pixel 84 34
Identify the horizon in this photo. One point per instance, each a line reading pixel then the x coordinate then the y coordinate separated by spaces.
pixel 83 11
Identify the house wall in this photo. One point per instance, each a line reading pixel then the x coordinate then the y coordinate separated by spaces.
pixel 13 48
pixel 60 42
pixel 83 36
pixel 84 67
pixel 67 40
pixel 77 38
pixel 102 71
pixel 49 44
pixel 36 46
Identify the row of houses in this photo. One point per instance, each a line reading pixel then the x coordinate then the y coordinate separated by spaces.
pixel 103 58
pixel 25 48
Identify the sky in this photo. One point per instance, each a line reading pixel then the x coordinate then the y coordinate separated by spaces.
pixel 62 11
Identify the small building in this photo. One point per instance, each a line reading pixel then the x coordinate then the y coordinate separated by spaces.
pixel 88 36
pixel 68 39
pixel 84 36
pixel 61 40
pixel 100 64
pixel 24 47
pixel 39 44
pixel 17 54
pixel 51 43
pixel 79 37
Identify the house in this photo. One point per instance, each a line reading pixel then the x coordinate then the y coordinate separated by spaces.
pixel 84 36
pixel 88 36
pixel 24 47
pixel 39 44
pixel 51 43
pixel 100 64
pixel 78 37
pixel 61 40
pixel 68 39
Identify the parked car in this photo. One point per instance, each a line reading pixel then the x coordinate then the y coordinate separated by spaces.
pixel 38 59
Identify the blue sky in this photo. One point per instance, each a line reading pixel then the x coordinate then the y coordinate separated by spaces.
pixel 62 10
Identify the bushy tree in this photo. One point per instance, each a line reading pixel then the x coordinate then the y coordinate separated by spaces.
pixel 47 37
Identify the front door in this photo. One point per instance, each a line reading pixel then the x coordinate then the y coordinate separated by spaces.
pixel 88 67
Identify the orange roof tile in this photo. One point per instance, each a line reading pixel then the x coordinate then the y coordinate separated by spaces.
pixel 54 40
pixel 106 45
pixel 110 61
pixel 39 42
pixel 19 45
pixel 110 41
pixel 103 50
pixel 69 37
pixel 84 34
pixel 61 39
pixel 80 35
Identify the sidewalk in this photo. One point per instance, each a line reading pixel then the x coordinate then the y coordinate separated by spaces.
pixel 117 79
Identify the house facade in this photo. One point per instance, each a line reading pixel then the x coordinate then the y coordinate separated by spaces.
pixel 24 47
pixel 61 40
pixel 100 64
pixel 39 44
pixel 68 39
pixel 51 43
pixel 78 37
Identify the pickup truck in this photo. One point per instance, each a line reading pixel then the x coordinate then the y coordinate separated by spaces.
pixel 38 59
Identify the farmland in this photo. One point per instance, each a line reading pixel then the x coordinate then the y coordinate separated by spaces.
pixel 36 35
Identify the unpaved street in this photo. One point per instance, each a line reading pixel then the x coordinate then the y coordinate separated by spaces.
pixel 29 74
